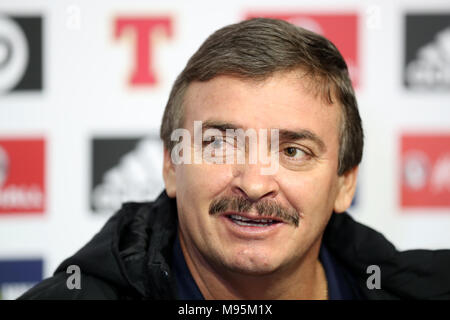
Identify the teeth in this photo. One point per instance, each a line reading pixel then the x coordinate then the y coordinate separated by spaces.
pixel 251 222
pixel 242 223
pixel 240 218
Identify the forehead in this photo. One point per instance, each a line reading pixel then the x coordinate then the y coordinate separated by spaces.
pixel 285 100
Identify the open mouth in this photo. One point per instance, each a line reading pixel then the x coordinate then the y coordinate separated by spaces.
pixel 243 221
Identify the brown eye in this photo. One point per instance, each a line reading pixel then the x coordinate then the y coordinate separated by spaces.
pixel 291 151
pixel 295 153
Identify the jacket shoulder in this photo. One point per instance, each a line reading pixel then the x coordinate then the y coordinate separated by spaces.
pixel 412 274
pixel 56 288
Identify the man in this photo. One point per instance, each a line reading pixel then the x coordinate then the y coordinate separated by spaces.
pixel 231 225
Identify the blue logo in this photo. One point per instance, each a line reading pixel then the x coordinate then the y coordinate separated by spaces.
pixel 17 276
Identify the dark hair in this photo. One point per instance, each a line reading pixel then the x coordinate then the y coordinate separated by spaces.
pixel 256 49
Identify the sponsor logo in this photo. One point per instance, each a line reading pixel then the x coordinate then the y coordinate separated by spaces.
pixel 425 168
pixel 20 53
pixel 427 51
pixel 145 33
pixel 17 276
pixel 125 169
pixel 22 187
pixel 339 28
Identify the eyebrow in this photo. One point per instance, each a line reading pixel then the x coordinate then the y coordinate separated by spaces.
pixel 220 125
pixel 302 134
pixel 283 134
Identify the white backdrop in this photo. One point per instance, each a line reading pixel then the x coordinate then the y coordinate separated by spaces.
pixel 86 95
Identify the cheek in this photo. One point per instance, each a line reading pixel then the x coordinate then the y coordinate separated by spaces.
pixel 198 185
pixel 311 196
pixel 311 193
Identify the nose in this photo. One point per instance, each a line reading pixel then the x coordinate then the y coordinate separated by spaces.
pixel 251 184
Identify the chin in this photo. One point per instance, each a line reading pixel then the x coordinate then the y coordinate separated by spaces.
pixel 253 270
pixel 253 265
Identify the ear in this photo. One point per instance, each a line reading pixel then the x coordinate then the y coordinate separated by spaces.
pixel 169 174
pixel 346 190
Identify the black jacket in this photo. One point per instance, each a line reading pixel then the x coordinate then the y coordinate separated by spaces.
pixel 130 258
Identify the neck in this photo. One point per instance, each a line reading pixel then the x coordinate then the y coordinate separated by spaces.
pixel 303 280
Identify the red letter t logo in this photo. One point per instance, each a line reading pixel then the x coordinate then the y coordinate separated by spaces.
pixel 143 29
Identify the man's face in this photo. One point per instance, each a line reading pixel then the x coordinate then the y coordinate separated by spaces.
pixel 306 181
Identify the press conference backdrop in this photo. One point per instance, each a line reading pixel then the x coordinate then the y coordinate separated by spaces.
pixel 83 85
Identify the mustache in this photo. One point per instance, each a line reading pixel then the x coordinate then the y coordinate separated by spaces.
pixel 269 208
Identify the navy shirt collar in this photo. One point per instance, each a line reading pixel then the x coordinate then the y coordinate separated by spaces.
pixel 340 284
pixel 185 285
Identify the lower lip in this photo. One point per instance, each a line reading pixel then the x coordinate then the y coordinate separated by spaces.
pixel 251 231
